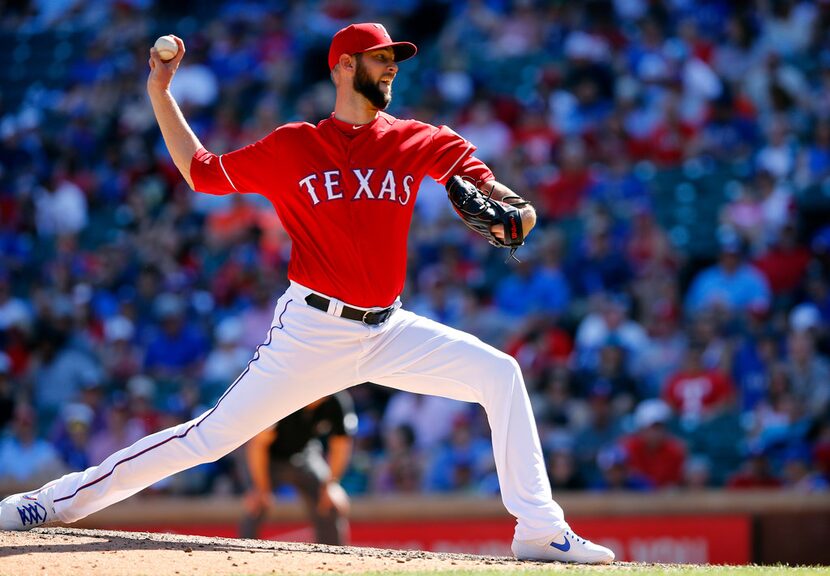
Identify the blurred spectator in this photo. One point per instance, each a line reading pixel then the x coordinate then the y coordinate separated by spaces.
pixel 652 450
pixel 821 449
pixel 178 348
pixel 806 317
pixel 745 215
pixel 774 85
pixel 814 159
pixel 439 299
pixel 13 310
pixel 73 440
pixel 196 84
pixel 665 349
pixel 60 208
pixel 611 373
pixel 479 318
pixel 697 473
pixel 670 139
pixel 256 319
pixel 229 225
pixel 731 286
pixel 695 392
pixel 784 263
pixel 734 56
pixel 726 136
pixel 7 396
pixel 776 204
pixel 533 288
pixel 648 248
pixel 227 360
pixel 780 424
pixel 785 25
pixel 542 348
pixel 535 137
pixel 400 468
pixel 753 363
pixel 755 472
pixel 121 358
pixel 563 195
pixel 617 474
pixel 588 85
pixel 489 133
pixel 778 157
pixel 558 412
pixel 602 431
pixel 26 458
pixel 809 372
pixel 55 362
pixel 141 394
pixel 599 266
pixel 121 430
pixel 610 320
pixel 462 463
pixel 799 474
pixel 430 417
pixel 563 471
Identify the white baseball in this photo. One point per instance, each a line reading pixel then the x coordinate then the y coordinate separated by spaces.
pixel 166 47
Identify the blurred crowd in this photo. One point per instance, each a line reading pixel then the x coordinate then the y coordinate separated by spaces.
pixel 670 311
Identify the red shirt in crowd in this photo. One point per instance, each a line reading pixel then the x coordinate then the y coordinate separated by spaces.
pixel 662 463
pixel 694 394
pixel 784 267
pixel 345 195
pixel 563 196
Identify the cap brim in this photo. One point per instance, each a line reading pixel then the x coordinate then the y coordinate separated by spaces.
pixel 403 50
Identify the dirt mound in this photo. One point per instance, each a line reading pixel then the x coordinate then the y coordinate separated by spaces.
pixel 72 552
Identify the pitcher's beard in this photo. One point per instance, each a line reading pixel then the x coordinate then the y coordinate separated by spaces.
pixel 363 85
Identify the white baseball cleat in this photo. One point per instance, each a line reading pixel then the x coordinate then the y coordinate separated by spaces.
pixel 26 511
pixel 564 547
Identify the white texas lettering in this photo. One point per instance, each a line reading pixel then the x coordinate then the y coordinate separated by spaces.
pixel 364 183
pixel 407 180
pixel 388 186
pixel 309 187
pixel 332 178
pixel 331 181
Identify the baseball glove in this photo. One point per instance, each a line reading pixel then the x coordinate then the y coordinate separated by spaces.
pixel 480 212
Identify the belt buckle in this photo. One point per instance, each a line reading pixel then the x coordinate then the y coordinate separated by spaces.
pixel 385 312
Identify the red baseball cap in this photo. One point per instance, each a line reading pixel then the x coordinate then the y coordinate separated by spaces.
pixel 359 38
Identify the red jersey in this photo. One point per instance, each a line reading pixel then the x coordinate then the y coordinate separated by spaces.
pixel 661 464
pixel 694 394
pixel 345 195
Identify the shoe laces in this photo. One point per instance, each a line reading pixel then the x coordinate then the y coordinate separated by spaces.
pixel 33 513
pixel 575 537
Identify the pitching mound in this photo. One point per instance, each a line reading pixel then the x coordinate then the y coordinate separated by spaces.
pixel 72 552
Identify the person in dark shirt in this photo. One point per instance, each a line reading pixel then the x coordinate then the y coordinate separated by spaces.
pixel 292 452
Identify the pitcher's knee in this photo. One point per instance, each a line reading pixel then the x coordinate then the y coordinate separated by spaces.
pixel 205 445
pixel 504 375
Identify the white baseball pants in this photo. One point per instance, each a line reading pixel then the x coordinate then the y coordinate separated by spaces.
pixel 309 354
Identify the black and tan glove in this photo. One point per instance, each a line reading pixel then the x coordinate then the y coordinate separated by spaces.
pixel 480 212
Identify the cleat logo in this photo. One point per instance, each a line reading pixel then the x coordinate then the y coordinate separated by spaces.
pixel 33 514
pixel 564 547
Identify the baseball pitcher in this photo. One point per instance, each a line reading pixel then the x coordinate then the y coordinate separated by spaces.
pixel 345 190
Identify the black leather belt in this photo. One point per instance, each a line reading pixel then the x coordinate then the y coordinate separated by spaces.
pixel 370 317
